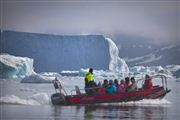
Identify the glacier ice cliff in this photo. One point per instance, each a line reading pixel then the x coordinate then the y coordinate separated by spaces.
pixel 15 67
pixel 54 53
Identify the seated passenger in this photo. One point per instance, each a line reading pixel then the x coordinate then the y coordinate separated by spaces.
pixel 111 88
pixel 116 83
pixel 105 83
pixel 99 84
pixel 148 82
pixel 101 91
pixel 133 86
pixel 127 83
pixel 121 88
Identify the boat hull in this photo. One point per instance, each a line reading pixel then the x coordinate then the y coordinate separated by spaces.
pixel 154 93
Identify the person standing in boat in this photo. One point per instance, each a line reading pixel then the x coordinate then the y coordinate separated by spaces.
pixel 89 81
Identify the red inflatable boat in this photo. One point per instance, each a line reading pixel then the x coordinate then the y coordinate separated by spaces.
pixel 158 91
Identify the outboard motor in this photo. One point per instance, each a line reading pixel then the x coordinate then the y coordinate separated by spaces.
pixel 58 99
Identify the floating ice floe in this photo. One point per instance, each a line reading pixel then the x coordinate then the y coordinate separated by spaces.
pixel 70 73
pixel 12 99
pixel 36 99
pixel 172 68
pixel 15 67
pixel 37 78
pixel 177 73
pixel 27 90
pixel 41 78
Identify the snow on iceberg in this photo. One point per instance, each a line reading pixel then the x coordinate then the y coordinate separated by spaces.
pixel 15 67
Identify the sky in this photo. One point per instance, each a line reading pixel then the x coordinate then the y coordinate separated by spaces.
pixel 155 20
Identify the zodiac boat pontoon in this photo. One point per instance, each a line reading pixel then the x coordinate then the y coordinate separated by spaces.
pixel 158 91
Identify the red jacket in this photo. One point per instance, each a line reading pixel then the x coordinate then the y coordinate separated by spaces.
pixel 148 84
pixel 102 91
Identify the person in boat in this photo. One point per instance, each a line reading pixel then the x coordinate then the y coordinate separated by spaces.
pixel 102 89
pixel 99 84
pixel 111 88
pixel 148 82
pixel 57 85
pixel 89 81
pixel 133 86
pixel 127 83
pixel 121 87
pixel 105 83
pixel 116 83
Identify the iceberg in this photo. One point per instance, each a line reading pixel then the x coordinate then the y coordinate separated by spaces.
pixel 116 63
pixel 147 69
pixel 172 68
pixel 55 53
pixel 37 78
pixel 177 73
pixel 15 67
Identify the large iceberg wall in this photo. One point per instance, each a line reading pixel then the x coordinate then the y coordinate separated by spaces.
pixel 54 53
pixel 15 67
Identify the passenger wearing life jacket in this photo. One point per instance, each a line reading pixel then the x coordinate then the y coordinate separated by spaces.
pixel 111 88
pixel 89 81
pixel 121 88
pixel 148 82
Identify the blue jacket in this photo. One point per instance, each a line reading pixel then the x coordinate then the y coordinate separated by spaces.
pixel 111 89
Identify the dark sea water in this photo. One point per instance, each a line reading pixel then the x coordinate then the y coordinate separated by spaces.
pixel 165 109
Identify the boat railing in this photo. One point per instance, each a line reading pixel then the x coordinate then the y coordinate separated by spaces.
pixel 79 91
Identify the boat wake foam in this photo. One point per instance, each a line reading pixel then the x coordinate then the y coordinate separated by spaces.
pixel 36 99
pixel 144 102
pixel 44 99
